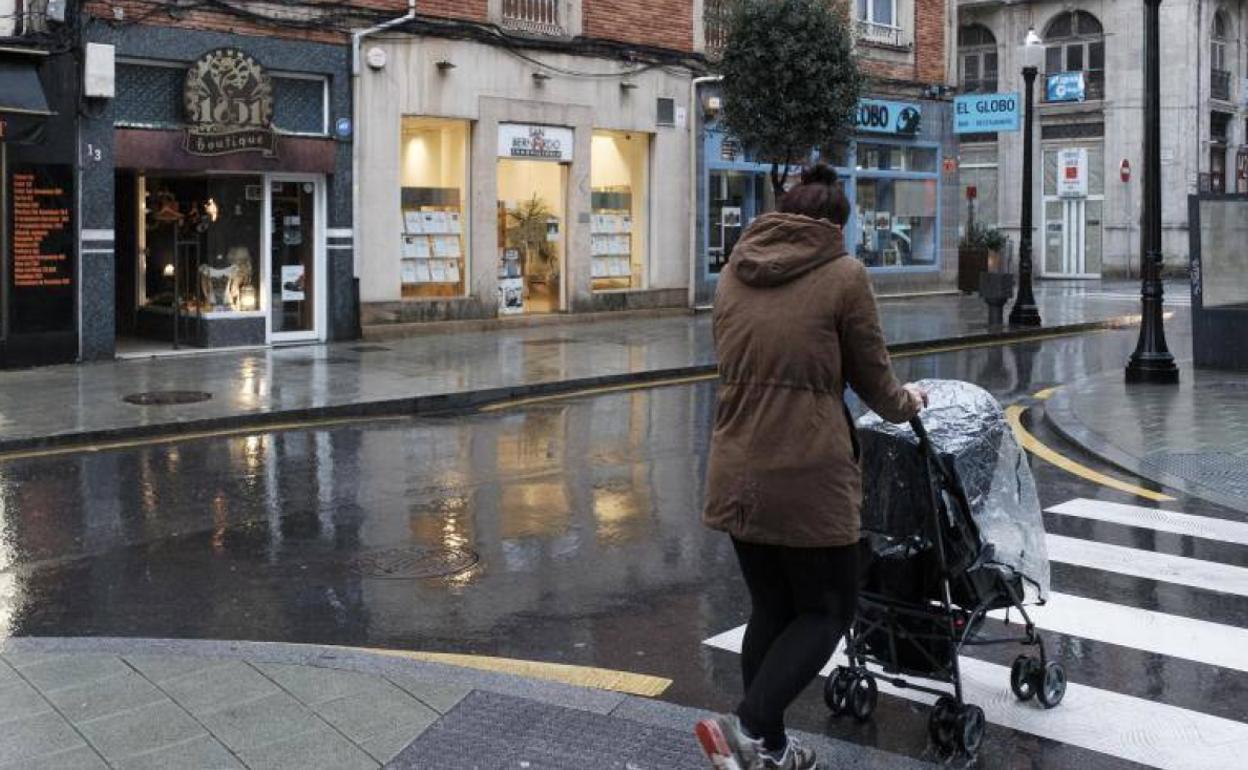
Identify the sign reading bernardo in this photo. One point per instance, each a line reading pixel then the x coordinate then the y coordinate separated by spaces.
pixel 527 142
pixel 229 105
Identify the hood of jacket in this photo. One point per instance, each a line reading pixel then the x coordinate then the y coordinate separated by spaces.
pixel 779 248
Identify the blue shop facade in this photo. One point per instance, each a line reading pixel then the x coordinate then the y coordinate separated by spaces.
pixel 899 173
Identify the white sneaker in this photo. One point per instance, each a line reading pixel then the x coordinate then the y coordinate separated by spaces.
pixel 794 757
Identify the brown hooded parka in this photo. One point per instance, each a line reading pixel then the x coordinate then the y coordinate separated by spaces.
pixel 795 322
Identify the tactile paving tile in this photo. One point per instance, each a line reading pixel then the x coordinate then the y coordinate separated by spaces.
pixel 489 731
pixel 1220 470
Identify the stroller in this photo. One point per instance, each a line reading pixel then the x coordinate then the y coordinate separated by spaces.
pixel 952 531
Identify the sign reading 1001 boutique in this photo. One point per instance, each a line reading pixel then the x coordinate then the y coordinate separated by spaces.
pixel 881 117
pixel 986 113
pixel 229 105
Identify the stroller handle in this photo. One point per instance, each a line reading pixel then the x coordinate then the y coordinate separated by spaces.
pixel 916 425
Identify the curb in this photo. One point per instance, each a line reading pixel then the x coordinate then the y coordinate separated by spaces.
pixel 450 403
pixel 1059 414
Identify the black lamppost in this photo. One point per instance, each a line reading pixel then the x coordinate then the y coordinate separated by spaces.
pixel 1152 361
pixel 1025 312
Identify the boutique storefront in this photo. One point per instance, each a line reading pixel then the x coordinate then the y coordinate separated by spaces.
pixel 217 173
pixel 898 174
pixel 488 192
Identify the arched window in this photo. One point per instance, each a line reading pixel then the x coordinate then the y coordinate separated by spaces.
pixel 1220 58
pixel 977 56
pixel 1075 42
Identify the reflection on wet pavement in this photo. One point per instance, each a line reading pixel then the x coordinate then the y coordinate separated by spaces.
pixel 584 515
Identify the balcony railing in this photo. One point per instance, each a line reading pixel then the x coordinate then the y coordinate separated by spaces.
pixel 715 26
pixel 537 17
pixel 980 86
pixel 1220 85
pixel 881 34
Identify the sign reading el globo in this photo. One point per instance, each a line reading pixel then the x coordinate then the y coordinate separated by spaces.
pixel 987 113
pixel 882 117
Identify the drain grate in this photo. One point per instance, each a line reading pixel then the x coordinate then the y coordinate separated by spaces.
pixel 167 397
pixel 414 563
pixel 370 349
pixel 327 361
pixel 548 342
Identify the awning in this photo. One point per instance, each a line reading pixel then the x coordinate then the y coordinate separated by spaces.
pixel 23 104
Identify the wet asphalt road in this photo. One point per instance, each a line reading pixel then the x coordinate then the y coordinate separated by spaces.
pixel 573 526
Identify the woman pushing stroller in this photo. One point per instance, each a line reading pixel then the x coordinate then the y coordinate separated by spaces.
pixel 795 322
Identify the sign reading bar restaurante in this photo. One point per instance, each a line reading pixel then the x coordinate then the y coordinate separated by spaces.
pixel 229 105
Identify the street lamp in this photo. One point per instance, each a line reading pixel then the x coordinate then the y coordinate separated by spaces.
pixel 1152 361
pixel 1025 312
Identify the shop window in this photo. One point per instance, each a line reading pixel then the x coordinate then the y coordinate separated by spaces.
pixel 1075 42
pixel 978 169
pixel 736 198
pixel 885 157
pixel 620 181
pixel 199 245
pixel 434 178
pixel 896 222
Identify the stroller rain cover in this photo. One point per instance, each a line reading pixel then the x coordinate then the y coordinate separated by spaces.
pixel 967 427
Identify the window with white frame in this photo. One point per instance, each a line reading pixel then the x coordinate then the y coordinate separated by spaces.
pixel 1220 58
pixel 552 18
pixel 977 59
pixel 1075 42
pixel 878 22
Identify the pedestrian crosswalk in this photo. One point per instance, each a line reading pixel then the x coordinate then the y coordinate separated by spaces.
pixel 1094 715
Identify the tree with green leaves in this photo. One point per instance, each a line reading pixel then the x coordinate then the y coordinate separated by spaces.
pixel 790 80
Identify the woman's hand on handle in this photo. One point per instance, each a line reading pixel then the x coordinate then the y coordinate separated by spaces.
pixel 918 397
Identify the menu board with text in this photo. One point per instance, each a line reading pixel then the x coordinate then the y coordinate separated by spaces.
pixel 41 248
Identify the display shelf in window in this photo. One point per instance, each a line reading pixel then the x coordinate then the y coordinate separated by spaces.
pixel 432 252
pixel 611 235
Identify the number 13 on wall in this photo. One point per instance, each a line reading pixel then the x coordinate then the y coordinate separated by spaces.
pixel 95 153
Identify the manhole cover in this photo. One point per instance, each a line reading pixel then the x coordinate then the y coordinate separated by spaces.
pixel 167 397
pixel 414 563
pixel 371 349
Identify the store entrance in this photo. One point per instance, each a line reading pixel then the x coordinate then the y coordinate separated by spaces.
pixel 531 235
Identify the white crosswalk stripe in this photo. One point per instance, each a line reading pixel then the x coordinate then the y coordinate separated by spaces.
pixel 1180 570
pixel 1156 519
pixel 1132 728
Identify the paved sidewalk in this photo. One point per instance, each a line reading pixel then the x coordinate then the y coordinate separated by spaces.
pixel 56 405
pixel 129 703
pixel 1193 437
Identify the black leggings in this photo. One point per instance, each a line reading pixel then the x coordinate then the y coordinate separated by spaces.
pixel 803 601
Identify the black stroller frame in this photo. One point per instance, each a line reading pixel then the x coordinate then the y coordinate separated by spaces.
pixel 944 628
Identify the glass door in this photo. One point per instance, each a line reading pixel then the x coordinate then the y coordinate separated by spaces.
pixel 295 279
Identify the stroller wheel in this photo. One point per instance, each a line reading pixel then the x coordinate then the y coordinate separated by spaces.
pixel 1023 677
pixel 863 696
pixel 940 724
pixel 836 690
pixel 1052 684
pixel 970 729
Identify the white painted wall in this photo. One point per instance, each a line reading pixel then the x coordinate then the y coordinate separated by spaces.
pixel 490 85
pixel 8 17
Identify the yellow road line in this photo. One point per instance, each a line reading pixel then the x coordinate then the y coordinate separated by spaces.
pixel 581 676
pixel 1046 394
pixel 1029 442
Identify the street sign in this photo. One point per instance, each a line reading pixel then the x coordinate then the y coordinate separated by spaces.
pixel 1065 87
pixel 987 113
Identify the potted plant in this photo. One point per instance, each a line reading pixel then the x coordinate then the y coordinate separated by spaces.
pixel 527 231
pixel 979 251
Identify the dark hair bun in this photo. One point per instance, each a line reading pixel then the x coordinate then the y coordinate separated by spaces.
pixel 820 173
